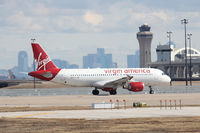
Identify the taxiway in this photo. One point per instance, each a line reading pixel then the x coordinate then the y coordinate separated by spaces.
pixel 107 114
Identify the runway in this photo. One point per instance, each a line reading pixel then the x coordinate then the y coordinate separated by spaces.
pixel 108 113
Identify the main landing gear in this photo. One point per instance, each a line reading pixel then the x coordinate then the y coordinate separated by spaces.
pixel 151 91
pixel 95 92
pixel 113 92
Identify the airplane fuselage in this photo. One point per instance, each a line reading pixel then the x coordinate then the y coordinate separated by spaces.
pixel 88 77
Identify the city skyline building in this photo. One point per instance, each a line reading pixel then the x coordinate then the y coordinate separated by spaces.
pixel 60 63
pixel 98 60
pixel 144 37
pixel 73 66
pixel 23 61
pixel 133 61
pixel 64 64
pixel 23 66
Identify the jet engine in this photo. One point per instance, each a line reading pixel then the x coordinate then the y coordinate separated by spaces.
pixel 134 86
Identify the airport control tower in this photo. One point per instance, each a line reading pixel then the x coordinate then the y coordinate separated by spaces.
pixel 144 37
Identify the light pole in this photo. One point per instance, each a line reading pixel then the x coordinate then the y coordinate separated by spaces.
pixel 185 21
pixel 33 40
pixel 170 62
pixel 190 39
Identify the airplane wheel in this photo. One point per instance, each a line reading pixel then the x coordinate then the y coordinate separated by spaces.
pixel 151 91
pixel 113 92
pixel 95 92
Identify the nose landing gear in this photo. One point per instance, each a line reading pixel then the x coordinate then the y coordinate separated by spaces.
pixel 151 91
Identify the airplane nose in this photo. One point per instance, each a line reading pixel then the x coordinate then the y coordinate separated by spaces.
pixel 167 79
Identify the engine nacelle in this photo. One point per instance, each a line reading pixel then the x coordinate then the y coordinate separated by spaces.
pixel 135 86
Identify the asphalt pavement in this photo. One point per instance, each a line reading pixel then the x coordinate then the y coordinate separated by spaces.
pixel 108 113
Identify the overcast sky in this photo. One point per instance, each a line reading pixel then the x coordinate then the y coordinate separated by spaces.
pixel 70 29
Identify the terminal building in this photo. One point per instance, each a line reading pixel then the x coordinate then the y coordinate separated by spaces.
pixel 170 59
pixel 177 61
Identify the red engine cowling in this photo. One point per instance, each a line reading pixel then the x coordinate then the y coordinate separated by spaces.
pixel 135 86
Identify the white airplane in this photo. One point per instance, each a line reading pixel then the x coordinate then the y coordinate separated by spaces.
pixel 132 79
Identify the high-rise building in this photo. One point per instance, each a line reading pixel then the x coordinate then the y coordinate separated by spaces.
pixel 137 59
pixel 85 62
pixel 23 61
pixel 100 51
pixel 73 66
pixel 64 64
pixel 98 60
pixel 108 63
pixel 133 61
pixel 60 63
pixel 144 37
pixel 130 61
pixel 89 61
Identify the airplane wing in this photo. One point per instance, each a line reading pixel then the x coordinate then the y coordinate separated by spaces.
pixel 114 83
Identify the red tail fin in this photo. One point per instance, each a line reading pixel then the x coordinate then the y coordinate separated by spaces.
pixel 41 58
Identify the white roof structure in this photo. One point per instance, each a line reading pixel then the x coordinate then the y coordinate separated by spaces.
pixel 179 53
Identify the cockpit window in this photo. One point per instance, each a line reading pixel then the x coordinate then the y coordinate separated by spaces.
pixel 163 74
